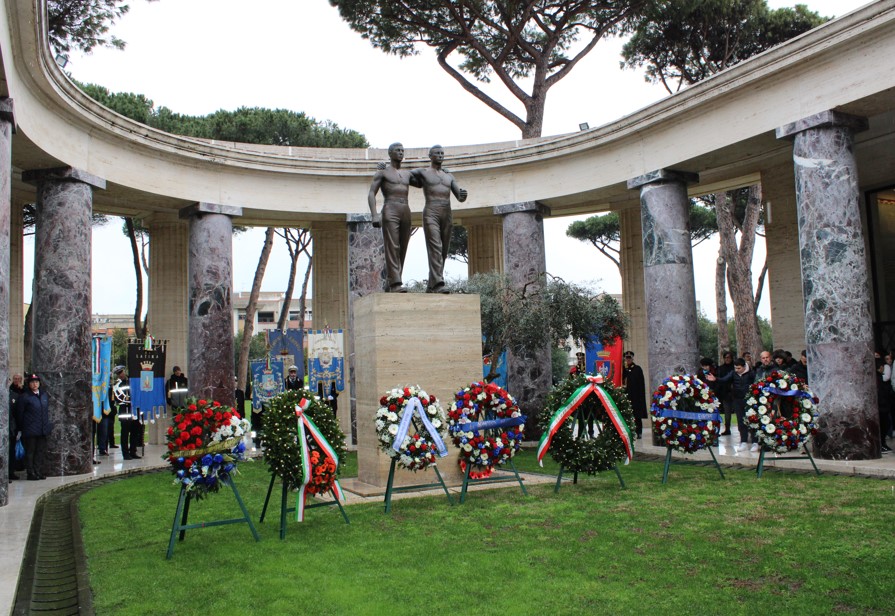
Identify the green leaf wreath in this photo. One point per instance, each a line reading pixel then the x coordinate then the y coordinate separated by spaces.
pixel 281 450
pixel 581 453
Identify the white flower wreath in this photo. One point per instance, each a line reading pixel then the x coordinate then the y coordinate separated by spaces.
pixel 788 424
pixel 418 448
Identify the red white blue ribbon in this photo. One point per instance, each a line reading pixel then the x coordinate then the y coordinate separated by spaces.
pixel 590 386
pixel 305 422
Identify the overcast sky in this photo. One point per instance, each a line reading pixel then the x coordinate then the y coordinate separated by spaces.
pixel 198 56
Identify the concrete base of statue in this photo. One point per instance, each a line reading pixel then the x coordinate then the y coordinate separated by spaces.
pixel 400 339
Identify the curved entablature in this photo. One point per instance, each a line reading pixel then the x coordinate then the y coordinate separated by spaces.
pixel 721 128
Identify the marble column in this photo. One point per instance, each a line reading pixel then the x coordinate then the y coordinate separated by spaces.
pixel 529 377
pixel 329 304
pixel 835 284
pixel 7 128
pixel 210 340
pixel 672 341
pixel 485 243
pixel 168 295
pixel 366 275
pixel 61 346
pixel 16 291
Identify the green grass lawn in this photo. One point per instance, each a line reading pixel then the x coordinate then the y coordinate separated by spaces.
pixel 785 544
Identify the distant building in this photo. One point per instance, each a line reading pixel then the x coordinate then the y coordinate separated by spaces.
pixel 267 314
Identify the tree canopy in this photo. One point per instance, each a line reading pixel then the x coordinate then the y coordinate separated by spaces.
pixel 604 230
pixel 513 40
pixel 245 125
pixel 83 24
pixel 681 42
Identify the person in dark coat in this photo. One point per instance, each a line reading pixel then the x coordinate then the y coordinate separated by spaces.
pixel 635 386
pixel 16 389
pixel 292 381
pixel 723 389
pixel 33 419
pixel 177 380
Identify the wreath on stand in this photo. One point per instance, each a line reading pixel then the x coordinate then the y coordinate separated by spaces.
pixel 204 444
pixel 580 432
pixel 782 412
pixel 685 413
pixel 487 426
pixel 398 433
pixel 283 452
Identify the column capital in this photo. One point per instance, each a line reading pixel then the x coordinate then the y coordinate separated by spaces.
pixel 524 206
pixel 197 209
pixel 62 174
pixel 7 112
pixel 356 218
pixel 824 119
pixel 663 175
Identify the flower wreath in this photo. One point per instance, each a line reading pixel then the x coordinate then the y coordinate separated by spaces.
pixel 282 452
pixel 583 454
pixel 790 423
pixel 415 451
pixel 481 444
pixel 204 444
pixel 685 413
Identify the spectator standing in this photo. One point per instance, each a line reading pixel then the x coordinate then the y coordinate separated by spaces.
pixel 722 388
pixel 16 389
pixel 765 366
pixel 33 418
pixel 177 380
pixel 635 386
pixel 800 368
pixel 292 380
pixel 884 404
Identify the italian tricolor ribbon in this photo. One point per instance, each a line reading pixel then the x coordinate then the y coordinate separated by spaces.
pixel 306 423
pixel 591 386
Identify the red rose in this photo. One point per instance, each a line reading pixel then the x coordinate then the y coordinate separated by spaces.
pixel 187 463
pixel 198 442
pixel 191 407
pixel 178 418
pixel 202 402
pixel 228 415
pixel 184 436
pixel 383 401
pixel 170 430
pixel 215 403
pixel 392 407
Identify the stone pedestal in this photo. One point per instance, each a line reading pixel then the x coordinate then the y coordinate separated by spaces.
pixel 434 341
pixel 668 274
pixel 210 365
pixel 61 350
pixel 835 285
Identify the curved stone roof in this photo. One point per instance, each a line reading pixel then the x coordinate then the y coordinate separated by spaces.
pixel 722 128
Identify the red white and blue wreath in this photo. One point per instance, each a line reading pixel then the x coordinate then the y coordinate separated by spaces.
pixel 685 413
pixel 782 412
pixel 486 425
pixel 413 449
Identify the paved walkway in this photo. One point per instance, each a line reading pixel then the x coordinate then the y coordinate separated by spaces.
pixel 15 518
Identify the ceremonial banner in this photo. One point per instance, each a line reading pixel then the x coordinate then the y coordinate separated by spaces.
pixel 326 359
pixel 102 372
pixel 146 369
pixel 267 379
pixel 501 380
pixel 605 360
pixel 289 342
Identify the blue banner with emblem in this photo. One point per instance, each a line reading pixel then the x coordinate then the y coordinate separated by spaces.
pixel 102 372
pixel 267 379
pixel 326 360
pixel 146 369
pixel 289 342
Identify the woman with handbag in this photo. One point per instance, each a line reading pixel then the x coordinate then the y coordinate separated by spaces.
pixel 33 419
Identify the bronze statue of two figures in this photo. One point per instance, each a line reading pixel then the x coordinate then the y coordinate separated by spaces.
pixel 395 183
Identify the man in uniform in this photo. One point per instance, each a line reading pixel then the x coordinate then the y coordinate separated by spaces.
pixel 635 385
pixel 130 425
pixel 292 381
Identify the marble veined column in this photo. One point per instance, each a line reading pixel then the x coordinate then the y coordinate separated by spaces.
pixel 366 275
pixel 7 127
pixel 672 341
pixel 61 305
pixel 210 339
pixel 529 377
pixel 835 284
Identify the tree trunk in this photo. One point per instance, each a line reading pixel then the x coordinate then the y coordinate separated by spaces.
pixel 138 273
pixel 739 266
pixel 303 299
pixel 249 323
pixel 721 306
pixel 290 287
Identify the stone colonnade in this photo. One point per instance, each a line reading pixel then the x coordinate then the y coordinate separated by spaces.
pixel 7 127
pixel 348 264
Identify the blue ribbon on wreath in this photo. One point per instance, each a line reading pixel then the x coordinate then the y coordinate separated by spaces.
pixel 415 406
pixel 690 415
pixel 789 393
pixel 507 422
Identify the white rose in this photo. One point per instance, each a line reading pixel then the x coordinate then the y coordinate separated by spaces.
pixel 393 429
pixel 770 429
pixel 763 400
pixel 380 424
pixel 807 404
pixel 467 447
pixel 803 429
pixel 781 383
pixel 382 412
pixel 392 417
pixel 436 423
pixel 806 417
pixel 794 387
pixel 765 419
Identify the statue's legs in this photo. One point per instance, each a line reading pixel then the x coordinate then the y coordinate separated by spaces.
pixel 395 237
pixel 437 227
